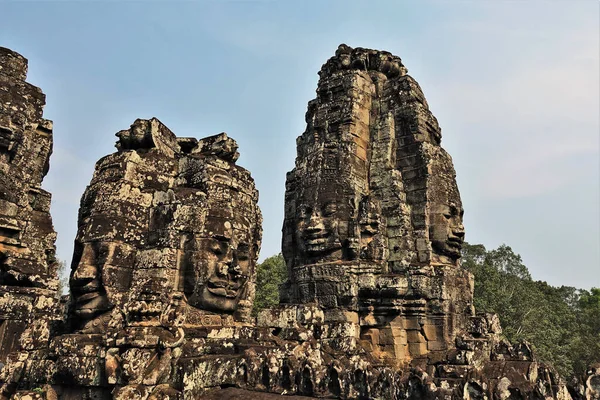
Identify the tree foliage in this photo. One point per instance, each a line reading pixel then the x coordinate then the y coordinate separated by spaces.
pixel 63 278
pixel 562 323
pixel 270 274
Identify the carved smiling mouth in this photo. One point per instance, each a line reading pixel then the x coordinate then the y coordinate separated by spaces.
pixel 455 241
pixel 85 298
pixel 223 288
pixel 315 239
pixel 320 244
pixel 86 294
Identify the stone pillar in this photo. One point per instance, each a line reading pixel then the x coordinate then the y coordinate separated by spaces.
pixel 28 267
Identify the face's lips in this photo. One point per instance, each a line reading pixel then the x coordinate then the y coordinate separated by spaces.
pixel 314 234
pixel 316 241
pixel 86 293
pixel 222 292
pixel 88 287
pixel 315 238
pixel 223 288
pixel 368 229
pixel 90 304
pixel 455 241
pixel 84 298
pixel 222 283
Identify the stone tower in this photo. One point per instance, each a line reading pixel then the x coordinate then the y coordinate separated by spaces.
pixel 28 277
pixel 373 216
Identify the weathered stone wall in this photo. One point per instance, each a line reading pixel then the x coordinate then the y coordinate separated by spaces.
pixel 377 305
pixel 28 277
pixel 168 237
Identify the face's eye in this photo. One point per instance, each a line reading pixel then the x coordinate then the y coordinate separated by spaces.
pixel 103 253
pixel 243 252
pixel 218 247
pixel 304 211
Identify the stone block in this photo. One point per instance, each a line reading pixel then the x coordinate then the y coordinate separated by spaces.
pixel 414 336
pixel 436 345
pixel 417 349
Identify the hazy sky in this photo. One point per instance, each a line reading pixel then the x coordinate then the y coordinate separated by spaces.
pixel 514 85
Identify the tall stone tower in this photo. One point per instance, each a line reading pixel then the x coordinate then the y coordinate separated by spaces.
pixel 28 278
pixel 373 216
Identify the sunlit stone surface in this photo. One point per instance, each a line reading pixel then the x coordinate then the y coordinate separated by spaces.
pixel 164 265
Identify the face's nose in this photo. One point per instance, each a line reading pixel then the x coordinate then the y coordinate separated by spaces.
pixel 234 267
pixel 84 274
pixel 226 262
pixel 86 270
pixel 315 223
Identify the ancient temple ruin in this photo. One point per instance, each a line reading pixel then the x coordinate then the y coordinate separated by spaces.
pixel 373 217
pixel 377 305
pixel 28 268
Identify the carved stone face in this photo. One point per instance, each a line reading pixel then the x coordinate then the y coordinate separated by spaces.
pixel 222 271
pixel 370 223
pixel 317 227
pixel 90 297
pixel 97 282
pixel 322 226
pixel 446 230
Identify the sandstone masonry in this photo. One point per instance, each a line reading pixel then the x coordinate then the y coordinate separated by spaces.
pixel 377 305
pixel 28 268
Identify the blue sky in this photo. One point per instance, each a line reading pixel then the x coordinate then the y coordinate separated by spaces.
pixel 514 85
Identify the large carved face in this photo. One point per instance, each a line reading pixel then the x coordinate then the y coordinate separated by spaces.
pixel 372 245
pixel 323 220
pixel 97 281
pixel 222 270
pixel 446 229
pixel 223 234
pixel 89 295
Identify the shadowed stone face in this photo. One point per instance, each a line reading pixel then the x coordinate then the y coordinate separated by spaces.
pixel 322 226
pixel 86 283
pixel 446 230
pixel 321 220
pixel 98 282
pixel 222 272
pixel 221 252
pixel 372 245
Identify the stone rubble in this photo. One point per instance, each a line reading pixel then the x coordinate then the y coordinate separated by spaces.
pixel 163 275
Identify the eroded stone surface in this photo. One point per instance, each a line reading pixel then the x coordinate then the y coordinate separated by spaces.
pixel 28 277
pixel 376 306
pixel 373 216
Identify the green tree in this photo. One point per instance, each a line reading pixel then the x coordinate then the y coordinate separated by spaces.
pixel 270 274
pixel 63 278
pixel 563 324
pixel 501 286
pixel 586 349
